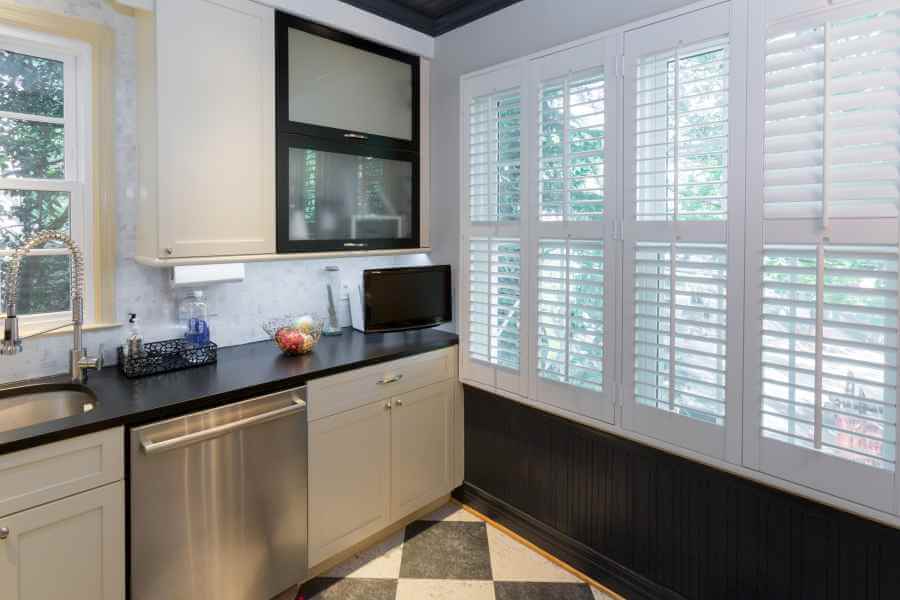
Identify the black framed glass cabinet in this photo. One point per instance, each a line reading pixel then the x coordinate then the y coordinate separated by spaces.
pixel 348 159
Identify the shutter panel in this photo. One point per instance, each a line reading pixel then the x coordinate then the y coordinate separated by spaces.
pixel 494 157
pixel 829 350
pixel 570 312
pixel 680 329
pixel 832 133
pixel 572 146
pixel 681 134
pixel 494 301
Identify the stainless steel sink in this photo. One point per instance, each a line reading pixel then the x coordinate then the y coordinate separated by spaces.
pixel 34 404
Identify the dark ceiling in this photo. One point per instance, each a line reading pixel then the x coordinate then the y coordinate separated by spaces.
pixel 433 17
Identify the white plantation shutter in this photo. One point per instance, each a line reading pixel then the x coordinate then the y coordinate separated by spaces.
pixel 821 322
pixel 495 301
pixel 493 284
pixel 829 350
pixel 681 329
pixel 495 157
pixel 832 132
pixel 572 146
pixel 683 231
pixel 571 244
pixel 570 312
pixel 681 129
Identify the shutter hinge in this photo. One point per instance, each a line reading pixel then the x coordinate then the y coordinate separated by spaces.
pixel 620 66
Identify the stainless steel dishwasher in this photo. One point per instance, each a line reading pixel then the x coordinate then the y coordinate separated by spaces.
pixel 219 502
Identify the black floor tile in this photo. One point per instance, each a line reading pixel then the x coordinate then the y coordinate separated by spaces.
pixel 327 588
pixel 446 550
pixel 517 590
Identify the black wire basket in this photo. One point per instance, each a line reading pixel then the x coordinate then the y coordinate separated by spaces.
pixel 166 356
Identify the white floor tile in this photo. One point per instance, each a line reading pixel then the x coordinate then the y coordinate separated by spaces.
pixel 513 561
pixel 381 561
pixel 443 589
pixel 451 512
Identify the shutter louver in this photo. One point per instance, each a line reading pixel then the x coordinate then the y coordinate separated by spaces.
pixel 680 328
pixel 570 312
pixel 829 350
pixel 494 301
pixel 681 134
pixel 572 146
pixel 494 157
pixel 832 133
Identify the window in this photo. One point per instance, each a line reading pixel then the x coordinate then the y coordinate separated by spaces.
pixel 684 211
pixel 821 349
pixel 495 157
pixel 44 164
pixel 494 276
pixel 572 229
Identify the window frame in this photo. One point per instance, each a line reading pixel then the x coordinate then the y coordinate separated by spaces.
pixel 77 57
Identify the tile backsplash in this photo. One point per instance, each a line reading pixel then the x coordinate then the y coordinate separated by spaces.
pixel 237 309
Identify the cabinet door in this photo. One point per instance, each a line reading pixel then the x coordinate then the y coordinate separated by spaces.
pixel 349 475
pixel 216 104
pixel 420 448
pixel 72 548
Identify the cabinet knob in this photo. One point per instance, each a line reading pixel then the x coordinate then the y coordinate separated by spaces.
pixel 4 533
pixel 387 405
pixel 399 402
pixel 169 251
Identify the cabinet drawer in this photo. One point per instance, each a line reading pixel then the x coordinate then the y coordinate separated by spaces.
pixel 346 391
pixel 53 471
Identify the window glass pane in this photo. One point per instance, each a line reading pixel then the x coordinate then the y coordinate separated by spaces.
pixel 43 284
pixel 31 85
pixel 29 149
pixel 337 196
pixel 681 134
pixel 495 157
pixel 24 213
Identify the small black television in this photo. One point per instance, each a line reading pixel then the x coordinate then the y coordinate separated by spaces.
pixel 404 298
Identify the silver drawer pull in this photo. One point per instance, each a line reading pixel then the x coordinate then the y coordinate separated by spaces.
pixel 356 136
pixel 214 432
pixel 387 380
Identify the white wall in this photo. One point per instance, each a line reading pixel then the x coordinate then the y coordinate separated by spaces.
pixel 270 289
pixel 522 29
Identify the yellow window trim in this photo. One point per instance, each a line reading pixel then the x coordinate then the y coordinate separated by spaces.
pixel 103 193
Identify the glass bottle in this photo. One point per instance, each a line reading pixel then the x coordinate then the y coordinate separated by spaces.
pixel 333 291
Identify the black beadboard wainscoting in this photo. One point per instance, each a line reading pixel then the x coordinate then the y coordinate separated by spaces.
pixel 653 525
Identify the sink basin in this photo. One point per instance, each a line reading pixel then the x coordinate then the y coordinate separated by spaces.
pixel 34 404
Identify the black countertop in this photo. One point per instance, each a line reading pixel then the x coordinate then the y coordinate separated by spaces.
pixel 242 372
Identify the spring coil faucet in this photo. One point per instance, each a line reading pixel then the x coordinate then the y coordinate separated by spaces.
pixel 79 361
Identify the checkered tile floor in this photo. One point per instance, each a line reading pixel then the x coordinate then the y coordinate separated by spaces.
pixel 449 555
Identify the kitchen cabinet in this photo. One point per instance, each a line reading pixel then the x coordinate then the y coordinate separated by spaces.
pixel 206 109
pixel 73 548
pixel 382 445
pixel 349 475
pixel 420 448
pixel 62 520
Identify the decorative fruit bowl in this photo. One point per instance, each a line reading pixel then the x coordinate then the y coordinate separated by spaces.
pixel 295 334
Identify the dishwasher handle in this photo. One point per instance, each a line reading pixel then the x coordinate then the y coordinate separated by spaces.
pixel 150 448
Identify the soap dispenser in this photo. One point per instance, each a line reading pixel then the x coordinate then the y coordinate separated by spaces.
pixel 134 343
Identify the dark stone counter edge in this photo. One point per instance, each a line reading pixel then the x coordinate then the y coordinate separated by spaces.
pixel 62 429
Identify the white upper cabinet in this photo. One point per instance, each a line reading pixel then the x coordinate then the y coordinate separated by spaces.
pixel 207 130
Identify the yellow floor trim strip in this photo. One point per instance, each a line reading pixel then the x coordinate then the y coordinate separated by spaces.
pixel 541 551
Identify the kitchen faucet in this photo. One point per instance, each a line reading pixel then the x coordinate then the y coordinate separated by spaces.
pixel 79 361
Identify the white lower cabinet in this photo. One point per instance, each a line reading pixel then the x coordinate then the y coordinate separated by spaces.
pixel 73 548
pixel 349 474
pixel 420 448
pixel 373 465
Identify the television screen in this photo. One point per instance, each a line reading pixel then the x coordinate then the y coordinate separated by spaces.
pixel 407 298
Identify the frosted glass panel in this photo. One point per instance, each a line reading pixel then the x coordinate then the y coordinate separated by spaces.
pixel 339 86
pixel 345 197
